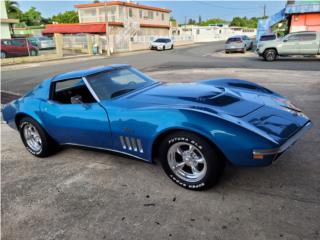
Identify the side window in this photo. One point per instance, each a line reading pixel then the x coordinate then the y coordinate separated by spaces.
pixel 6 42
pixel 71 91
pixel 307 37
pixel 18 42
pixel 292 38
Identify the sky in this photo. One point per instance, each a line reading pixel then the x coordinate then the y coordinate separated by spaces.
pixel 180 9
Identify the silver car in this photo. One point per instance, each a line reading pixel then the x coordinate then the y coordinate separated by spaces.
pixel 162 44
pixel 240 43
pixel 42 42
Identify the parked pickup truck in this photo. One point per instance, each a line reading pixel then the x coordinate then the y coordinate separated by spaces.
pixel 298 43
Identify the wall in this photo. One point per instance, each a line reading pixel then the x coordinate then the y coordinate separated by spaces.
pixel 305 22
pixel 5 30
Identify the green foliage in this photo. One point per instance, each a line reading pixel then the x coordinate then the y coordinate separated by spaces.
pixel 245 22
pixel 13 10
pixel 212 21
pixel 66 17
pixel 191 22
pixel 31 17
pixel 172 19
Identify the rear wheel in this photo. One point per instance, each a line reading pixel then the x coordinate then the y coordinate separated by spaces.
pixel 244 49
pixel 270 55
pixel 190 160
pixel 35 139
pixel 33 52
pixel 3 55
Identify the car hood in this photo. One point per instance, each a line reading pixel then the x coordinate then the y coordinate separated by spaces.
pixel 217 99
pixel 266 112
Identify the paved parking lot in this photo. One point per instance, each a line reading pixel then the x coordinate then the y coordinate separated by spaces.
pixel 82 194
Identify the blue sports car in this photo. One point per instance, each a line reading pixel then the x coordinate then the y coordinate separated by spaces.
pixel 192 128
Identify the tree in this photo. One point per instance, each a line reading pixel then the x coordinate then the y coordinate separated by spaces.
pixel 66 17
pixel 191 21
pixel 212 21
pixel 96 1
pixel 12 8
pixel 31 17
pixel 246 22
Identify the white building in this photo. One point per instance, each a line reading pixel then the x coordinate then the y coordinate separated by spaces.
pixel 6 22
pixel 212 33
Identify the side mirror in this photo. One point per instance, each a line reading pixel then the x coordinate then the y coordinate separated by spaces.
pixel 76 100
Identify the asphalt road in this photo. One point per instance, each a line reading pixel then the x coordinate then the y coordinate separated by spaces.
pixel 82 194
pixel 19 79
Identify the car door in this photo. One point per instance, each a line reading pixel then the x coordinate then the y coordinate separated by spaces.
pixel 20 47
pixel 80 123
pixel 289 45
pixel 308 44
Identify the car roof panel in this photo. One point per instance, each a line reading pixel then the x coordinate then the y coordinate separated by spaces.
pixel 87 72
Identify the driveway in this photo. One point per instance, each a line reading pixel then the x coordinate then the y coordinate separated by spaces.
pixel 82 194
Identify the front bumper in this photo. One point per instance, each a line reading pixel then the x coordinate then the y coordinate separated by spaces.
pixel 274 154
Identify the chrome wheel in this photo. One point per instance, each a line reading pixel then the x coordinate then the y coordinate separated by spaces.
pixel 187 162
pixel 32 137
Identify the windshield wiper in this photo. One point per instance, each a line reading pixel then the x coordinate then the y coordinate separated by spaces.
pixel 121 92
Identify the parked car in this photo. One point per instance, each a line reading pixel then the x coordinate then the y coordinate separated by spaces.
pixel 240 43
pixel 17 48
pixel 162 44
pixel 298 43
pixel 193 128
pixel 42 42
pixel 268 37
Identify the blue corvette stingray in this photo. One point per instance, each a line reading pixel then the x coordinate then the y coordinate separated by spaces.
pixel 193 128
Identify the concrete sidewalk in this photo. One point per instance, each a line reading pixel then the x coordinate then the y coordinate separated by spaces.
pixel 82 194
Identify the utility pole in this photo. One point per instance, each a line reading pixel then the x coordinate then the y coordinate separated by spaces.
pixel 185 22
pixel 264 10
pixel 107 28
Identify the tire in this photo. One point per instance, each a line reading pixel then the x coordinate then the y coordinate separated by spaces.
pixel 171 47
pixel 3 55
pixel 39 144
pixel 199 165
pixel 163 48
pixel 33 52
pixel 244 49
pixel 270 55
pixel 227 52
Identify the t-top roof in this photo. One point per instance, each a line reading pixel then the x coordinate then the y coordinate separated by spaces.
pixel 87 72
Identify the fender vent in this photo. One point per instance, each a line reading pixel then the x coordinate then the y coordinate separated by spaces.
pixel 131 144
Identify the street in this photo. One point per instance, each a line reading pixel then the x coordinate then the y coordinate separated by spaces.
pixel 21 78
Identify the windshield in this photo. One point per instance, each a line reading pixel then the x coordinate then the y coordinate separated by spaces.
pixel 234 39
pixel 110 84
pixel 268 37
pixel 162 40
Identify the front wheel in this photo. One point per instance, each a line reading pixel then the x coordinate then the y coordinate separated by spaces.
pixel 190 160
pixel 270 55
pixel 35 139
pixel 171 47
